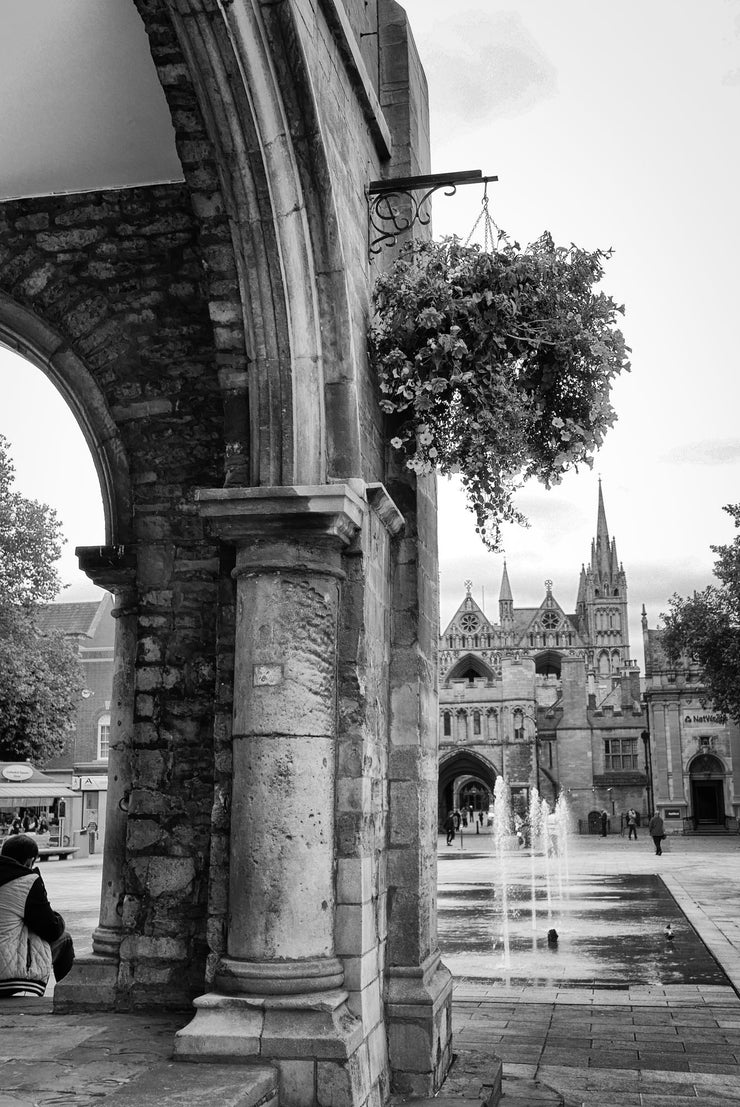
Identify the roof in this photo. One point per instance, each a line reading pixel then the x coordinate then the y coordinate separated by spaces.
pixel 68 618
pixel 91 619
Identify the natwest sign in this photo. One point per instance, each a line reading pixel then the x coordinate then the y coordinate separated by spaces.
pixel 17 772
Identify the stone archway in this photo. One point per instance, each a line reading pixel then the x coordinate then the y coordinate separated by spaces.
pixel 279 604
pixel 463 765
pixel 707 780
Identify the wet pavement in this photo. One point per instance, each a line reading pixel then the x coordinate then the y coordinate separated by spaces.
pixel 610 1018
pixel 616 1015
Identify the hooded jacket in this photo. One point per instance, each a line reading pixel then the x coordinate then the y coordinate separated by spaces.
pixel 27 927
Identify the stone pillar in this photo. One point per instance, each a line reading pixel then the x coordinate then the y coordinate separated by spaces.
pixel 279 986
pixel 419 986
pixel 92 981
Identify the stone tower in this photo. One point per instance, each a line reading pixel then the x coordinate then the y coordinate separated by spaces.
pixel 601 606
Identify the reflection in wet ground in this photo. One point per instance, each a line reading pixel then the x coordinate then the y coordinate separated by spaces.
pixel 611 932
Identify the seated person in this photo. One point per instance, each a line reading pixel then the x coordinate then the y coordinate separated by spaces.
pixel 33 940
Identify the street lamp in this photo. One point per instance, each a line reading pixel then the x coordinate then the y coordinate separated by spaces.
pixel 645 735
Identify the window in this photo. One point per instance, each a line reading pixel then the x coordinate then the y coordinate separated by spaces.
pixel 446 726
pixel 476 722
pixel 620 754
pixel 103 737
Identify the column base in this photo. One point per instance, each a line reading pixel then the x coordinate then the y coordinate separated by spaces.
pixel 419 1019
pixel 90 985
pixel 314 1041
pixel 279 978
pixel 106 941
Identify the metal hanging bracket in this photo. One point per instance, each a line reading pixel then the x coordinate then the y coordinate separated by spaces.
pixel 385 222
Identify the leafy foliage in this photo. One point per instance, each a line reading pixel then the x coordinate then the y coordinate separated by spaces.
pixel 40 682
pixel 30 543
pixel 40 676
pixel 496 365
pixel 706 628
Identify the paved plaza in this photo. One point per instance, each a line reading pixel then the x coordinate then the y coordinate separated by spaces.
pixel 637 1041
pixel 608 1043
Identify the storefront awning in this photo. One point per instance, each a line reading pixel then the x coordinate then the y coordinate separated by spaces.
pixel 18 793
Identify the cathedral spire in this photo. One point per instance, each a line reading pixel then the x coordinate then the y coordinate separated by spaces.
pixel 505 600
pixel 602 530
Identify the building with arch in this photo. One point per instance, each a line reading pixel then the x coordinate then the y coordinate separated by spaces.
pixel 269 866
pixel 696 750
pixel 546 697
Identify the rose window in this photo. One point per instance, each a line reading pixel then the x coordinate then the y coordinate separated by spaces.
pixel 469 623
pixel 550 620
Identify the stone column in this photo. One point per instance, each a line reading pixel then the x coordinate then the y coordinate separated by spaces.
pixel 92 981
pixel 278 987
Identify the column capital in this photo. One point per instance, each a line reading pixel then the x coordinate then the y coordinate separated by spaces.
pixel 242 515
pixel 110 567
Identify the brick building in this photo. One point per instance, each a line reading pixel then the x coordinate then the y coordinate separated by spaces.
pixel 695 749
pixel 83 764
pixel 546 697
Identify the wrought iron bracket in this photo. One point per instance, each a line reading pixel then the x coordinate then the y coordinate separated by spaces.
pixel 386 223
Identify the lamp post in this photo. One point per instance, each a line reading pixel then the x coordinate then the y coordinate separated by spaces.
pixel 645 735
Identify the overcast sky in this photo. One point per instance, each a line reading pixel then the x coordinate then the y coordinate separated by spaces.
pixel 608 125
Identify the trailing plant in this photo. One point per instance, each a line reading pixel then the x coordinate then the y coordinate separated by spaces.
pixel 496 365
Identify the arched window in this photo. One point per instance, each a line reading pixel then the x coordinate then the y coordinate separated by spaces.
pixel 518 726
pixel 604 664
pixel 476 722
pixel 103 737
pixel 446 725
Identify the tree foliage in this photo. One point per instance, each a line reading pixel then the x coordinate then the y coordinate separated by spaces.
pixel 40 676
pixel 705 628
pixel 496 365
pixel 40 683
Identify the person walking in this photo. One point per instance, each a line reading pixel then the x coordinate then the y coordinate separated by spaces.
pixel 655 830
pixel 604 823
pixel 631 824
pixel 449 825
pixel 33 938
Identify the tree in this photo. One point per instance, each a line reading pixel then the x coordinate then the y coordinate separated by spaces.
pixel 496 365
pixel 40 676
pixel 705 628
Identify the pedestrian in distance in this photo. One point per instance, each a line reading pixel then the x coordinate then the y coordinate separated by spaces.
pixel 631 824
pixel 449 825
pixel 33 938
pixel 655 830
pixel 604 823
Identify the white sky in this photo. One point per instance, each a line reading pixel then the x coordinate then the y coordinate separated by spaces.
pixel 611 126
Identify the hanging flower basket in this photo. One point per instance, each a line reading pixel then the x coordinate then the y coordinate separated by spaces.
pixel 496 365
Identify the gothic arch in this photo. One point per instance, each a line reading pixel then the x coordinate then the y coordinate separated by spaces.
pixel 469 663
pixel 291 313
pixel 462 763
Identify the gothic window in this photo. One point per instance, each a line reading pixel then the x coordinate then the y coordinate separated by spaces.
pixel 550 620
pixel 469 622
pixel 446 724
pixel 604 664
pixel 476 722
pixel 620 754
pixel 103 737
pixel 518 726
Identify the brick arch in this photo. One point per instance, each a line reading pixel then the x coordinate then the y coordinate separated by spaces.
pixel 22 331
pixel 276 291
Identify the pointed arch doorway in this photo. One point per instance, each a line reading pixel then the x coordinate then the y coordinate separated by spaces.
pixel 465 779
pixel 707 777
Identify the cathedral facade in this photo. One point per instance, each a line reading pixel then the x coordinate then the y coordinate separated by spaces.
pixel 545 697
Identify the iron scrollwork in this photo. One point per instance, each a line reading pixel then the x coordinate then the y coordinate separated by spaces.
pixel 386 222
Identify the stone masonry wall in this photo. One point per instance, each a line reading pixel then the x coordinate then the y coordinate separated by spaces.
pixel 119 276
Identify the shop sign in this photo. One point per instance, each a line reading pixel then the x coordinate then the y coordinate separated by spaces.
pixel 90 783
pixel 702 720
pixel 17 772
pixel 672 813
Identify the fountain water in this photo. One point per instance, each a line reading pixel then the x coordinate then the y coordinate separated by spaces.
pixel 534 837
pixel 503 827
